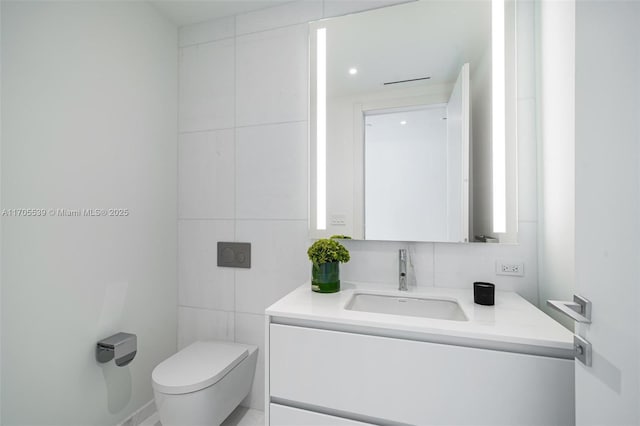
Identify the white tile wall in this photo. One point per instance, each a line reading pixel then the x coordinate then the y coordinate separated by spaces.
pixel 265 64
pixel 527 134
pixel 421 264
pixel 459 265
pixel 206 175
pixel 271 171
pixel 526 46
pixel 271 78
pixel 527 169
pixel 242 171
pixel 250 329
pixel 201 283
pixel 204 324
pixel 372 261
pixel 278 262
pixel 446 265
pixel 206 86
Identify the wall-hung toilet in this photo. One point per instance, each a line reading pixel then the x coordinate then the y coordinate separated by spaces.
pixel 203 383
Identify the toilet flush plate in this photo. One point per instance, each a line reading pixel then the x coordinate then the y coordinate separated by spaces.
pixel 234 255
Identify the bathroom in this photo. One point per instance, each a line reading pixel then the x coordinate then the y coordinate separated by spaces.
pixel 188 123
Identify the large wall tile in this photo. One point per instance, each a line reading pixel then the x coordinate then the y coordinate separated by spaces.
pixel 377 262
pixel 250 329
pixel 421 267
pixel 279 262
pixel 526 47
pixel 203 324
pixel 459 265
pixel 206 86
pixel 296 12
pixel 372 261
pixel 271 71
pixel 205 32
pixel 271 172
pixel 206 175
pixel 527 166
pixel 202 282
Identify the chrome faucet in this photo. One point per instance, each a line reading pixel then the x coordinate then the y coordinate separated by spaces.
pixel 402 269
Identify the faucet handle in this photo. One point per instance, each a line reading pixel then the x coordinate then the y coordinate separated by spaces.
pixel 402 253
pixel 402 269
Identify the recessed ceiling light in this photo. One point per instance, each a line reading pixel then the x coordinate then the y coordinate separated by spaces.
pixel 353 71
pixel 403 122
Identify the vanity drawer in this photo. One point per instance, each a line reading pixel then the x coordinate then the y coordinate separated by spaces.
pixel 413 382
pixel 281 415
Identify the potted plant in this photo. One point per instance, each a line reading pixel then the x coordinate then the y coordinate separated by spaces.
pixel 326 255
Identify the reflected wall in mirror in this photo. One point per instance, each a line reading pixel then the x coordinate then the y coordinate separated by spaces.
pixel 416 172
pixel 400 129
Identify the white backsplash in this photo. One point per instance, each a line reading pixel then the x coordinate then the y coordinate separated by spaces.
pixel 447 264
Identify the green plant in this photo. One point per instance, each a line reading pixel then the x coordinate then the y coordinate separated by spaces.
pixel 327 250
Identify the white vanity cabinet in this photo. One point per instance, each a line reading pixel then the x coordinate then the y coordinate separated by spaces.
pixel 328 366
pixel 382 380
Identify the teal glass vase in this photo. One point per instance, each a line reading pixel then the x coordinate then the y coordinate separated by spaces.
pixel 325 277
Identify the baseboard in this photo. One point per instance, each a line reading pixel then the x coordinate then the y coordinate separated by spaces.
pixel 140 415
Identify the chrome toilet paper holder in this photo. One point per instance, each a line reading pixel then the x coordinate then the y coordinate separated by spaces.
pixel 121 346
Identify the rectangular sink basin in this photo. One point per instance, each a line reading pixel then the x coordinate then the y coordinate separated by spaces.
pixel 408 306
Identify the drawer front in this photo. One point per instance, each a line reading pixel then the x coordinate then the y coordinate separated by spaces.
pixel 281 415
pixel 417 382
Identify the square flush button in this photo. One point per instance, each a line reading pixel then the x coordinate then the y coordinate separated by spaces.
pixel 234 255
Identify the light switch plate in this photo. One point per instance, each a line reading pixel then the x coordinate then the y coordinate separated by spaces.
pixel 234 255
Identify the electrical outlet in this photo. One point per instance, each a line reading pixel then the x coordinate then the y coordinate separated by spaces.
pixel 504 267
pixel 338 220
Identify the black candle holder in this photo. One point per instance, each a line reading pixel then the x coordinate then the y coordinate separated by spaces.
pixel 484 293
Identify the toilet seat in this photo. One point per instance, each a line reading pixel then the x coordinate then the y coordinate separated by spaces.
pixel 197 366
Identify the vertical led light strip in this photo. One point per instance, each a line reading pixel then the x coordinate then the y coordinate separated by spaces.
pixel 498 117
pixel 321 129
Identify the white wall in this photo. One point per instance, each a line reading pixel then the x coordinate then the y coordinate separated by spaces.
pixel 88 121
pixel 555 28
pixel 243 176
pixel 607 200
pixel 1 204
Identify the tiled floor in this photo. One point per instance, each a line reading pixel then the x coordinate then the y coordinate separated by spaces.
pixel 245 417
pixel 242 416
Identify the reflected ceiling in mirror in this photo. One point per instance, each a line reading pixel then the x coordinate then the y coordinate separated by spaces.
pixel 402 45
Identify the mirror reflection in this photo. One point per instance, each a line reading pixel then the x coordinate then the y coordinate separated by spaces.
pixel 415 170
pixel 398 97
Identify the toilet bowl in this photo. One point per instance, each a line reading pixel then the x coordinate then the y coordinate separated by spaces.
pixel 203 383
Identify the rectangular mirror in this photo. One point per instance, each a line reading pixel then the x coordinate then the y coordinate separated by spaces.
pixel 402 139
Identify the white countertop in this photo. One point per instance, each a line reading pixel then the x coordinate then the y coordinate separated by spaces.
pixel 512 324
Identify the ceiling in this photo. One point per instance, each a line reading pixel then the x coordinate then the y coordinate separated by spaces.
pixel 185 12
